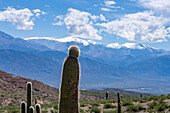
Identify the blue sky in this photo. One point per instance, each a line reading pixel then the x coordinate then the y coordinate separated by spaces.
pixel 104 21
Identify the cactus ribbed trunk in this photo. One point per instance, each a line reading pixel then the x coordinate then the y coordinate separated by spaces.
pixel 107 94
pixel 118 102
pixel 23 107
pixel 29 95
pixel 69 85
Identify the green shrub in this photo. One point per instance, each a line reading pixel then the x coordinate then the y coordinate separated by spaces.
pixel 127 103
pixel 82 111
pixel 162 107
pixel 95 109
pixel 83 105
pixel 136 108
pixel 56 107
pixel 108 105
pixel 95 104
pixel 152 105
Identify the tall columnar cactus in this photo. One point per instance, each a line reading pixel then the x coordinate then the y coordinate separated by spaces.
pixel 23 107
pixel 31 109
pixel 29 95
pixel 70 81
pixel 118 102
pixel 141 95
pixel 107 94
pixel 38 108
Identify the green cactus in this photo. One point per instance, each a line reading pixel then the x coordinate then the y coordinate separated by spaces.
pixel 70 81
pixel 118 102
pixel 31 109
pixel 38 108
pixel 107 94
pixel 23 107
pixel 29 95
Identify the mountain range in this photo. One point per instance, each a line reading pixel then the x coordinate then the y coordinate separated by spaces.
pixel 129 66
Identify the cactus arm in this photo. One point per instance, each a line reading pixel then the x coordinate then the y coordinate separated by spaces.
pixel 23 107
pixel 38 108
pixel 31 109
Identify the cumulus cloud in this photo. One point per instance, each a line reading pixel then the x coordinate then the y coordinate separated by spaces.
pixel 141 27
pixel 59 19
pixel 110 6
pixel 109 3
pixel 156 4
pixel 38 12
pixel 22 18
pixel 80 24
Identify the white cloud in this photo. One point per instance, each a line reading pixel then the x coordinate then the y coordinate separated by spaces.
pixel 110 6
pixel 36 11
pixel 59 19
pixel 107 9
pixel 102 18
pixel 43 13
pixel 109 3
pixel 23 18
pixel 141 26
pixel 80 24
pixel 20 17
pixel 59 23
pixel 156 4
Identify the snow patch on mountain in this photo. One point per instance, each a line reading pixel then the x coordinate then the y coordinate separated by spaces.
pixel 126 45
pixel 66 39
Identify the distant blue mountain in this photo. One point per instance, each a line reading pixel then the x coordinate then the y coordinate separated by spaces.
pixel 123 56
pixel 131 66
pixel 9 42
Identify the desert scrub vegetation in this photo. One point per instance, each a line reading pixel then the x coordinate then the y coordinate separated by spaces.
pixel 154 104
pixel 109 105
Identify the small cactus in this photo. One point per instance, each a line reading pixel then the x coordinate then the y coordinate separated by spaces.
pixel 23 107
pixel 70 81
pixel 38 108
pixel 29 95
pixel 118 102
pixel 27 108
pixel 107 94
pixel 31 109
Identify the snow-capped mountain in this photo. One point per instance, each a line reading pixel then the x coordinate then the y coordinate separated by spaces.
pixel 101 65
pixel 127 45
pixel 113 54
pixel 65 39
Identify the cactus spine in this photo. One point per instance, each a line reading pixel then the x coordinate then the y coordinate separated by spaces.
pixel 31 109
pixel 70 81
pixel 29 95
pixel 23 107
pixel 118 102
pixel 38 108
pixel 107 94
